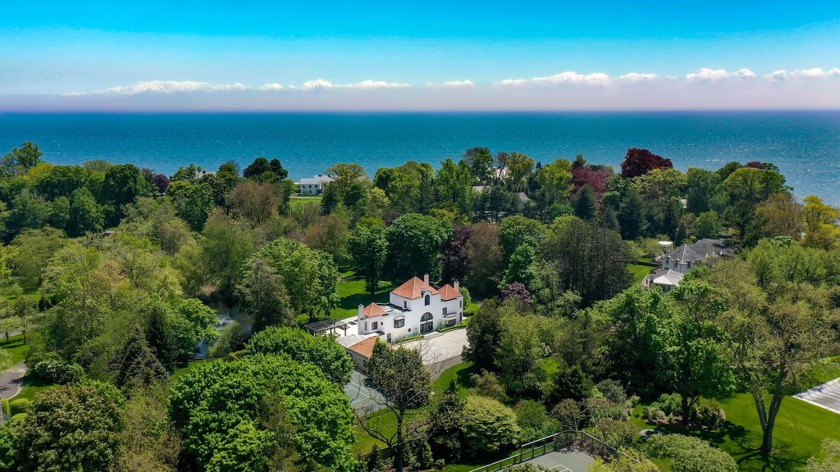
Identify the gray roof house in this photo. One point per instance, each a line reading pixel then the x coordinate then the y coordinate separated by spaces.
pixel 684 258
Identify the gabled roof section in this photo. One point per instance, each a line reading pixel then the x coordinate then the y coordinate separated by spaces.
pixel 448 292
pixel 668 277
pixel 413 289
pixel 700 250
pixel 364 348
pixel 373 310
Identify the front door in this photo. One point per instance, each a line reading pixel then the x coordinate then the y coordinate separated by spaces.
pixel 427 327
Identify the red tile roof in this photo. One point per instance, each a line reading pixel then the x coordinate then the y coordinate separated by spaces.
pixel 364 348
pixel 448 292
pixel 413 289
pixel 373 310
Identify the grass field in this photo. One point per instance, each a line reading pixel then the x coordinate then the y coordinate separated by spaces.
pixel 352 291
pixel 298 200
pixel 800 430
pixel 15 347
pixel 639 272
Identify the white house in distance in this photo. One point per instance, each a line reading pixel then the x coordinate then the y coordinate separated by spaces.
pixel 414 307
pixel 315 185
pixel 686 257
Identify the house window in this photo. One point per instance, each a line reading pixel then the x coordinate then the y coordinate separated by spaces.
pixel 399 323
pixel 460 303
pixel 450 322
pixel 405 304
pixel 428 299
pixel 375 324
pixel 444 311
pixel 426 317
pixel 366 326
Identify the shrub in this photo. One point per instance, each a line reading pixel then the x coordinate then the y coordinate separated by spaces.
pixel 19 417
pixel 7 411
pixel 612 391
pixel 669 404
pixel 534 420
pixel 52 368
pixel 20 405
pixel 488 384
pixel 488 426
pixel 320 351
pixel 689 454
pixel 653 414
pixel 710 414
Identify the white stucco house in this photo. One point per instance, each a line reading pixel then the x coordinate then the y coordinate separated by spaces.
pixel 686 257
pixel 315 185
pixel 414 307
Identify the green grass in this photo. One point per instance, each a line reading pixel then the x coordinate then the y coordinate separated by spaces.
pixel 352 292
pixel 799 432
pixel 639 272
pixel 31 386
pixel 15 347
pixel 298 200
pixel 460 374
pixel 186 369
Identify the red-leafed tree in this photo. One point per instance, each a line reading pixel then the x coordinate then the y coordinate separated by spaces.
pixel 595 178
pixel 641 161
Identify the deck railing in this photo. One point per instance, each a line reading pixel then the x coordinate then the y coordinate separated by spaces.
pixel 569 440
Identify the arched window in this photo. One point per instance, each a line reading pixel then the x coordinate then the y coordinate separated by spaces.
pixel 426 317
pixel 428 299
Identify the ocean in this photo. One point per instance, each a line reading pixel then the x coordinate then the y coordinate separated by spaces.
pixel 805 145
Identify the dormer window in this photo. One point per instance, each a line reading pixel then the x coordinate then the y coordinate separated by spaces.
pixel 428 299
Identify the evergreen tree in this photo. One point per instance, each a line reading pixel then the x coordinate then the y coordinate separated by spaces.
pixel 631 215
pixel 586 203
pixel 159 338
pixel 265 298
pixel 138 366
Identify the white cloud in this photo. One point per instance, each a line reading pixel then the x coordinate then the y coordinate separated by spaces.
pixel 317 84
pixel 780 74
pixel 173 86
pixel 719 74
pixel 272 87
pixel 815 73
pixel 459 83
pixel 363 85
pixel 637 77
pixel 568 77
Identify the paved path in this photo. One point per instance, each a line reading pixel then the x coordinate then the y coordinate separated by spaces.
pixel 825 396
pixel 12 380
pixel 362 397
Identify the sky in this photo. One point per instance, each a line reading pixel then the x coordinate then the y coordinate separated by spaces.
pixel 258 55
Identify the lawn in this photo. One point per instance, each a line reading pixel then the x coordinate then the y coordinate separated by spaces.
pixel 31 386
pixel 351 290
pixel 15 347
pixel 298 200
pixel 639 272
pixel 800 430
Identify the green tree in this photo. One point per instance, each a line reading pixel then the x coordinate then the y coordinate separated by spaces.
pixel 484 257
pixel 586 203
pixel 72 427
pixel 405 384
pixel 138 366
pixel 310 276
pixel 320 351
pixel 517 230
pixel 19 160
pixel 255 202
pixel 85 214
pixel 415 243
pixel 123 184
pixel 225 247
pixel 631 215
pixel 193 201
pixel 159 335
pixel 488 426
pixel 264 297
pixel 480 162
pixel 703 188
pixel 555 181
pixel 368 248
pixel 484 333
pixel 453 186
pixel 28 212
pixel 519 167
pixel 708 225
pixel 689 454
pixel 570 382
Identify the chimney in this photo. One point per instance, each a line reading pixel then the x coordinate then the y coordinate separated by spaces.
pixel 426 279
pixel 361 309
pixel 457 286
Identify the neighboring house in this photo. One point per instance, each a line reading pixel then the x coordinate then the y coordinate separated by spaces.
pixel 686 257
pixel 414 307
pixel 315 185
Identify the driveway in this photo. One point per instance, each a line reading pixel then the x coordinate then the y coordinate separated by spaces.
pixel 825 396
pixel 11 381
pixel 441 350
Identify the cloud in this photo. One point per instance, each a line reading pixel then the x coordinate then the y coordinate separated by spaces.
pixel 568 77
pixel 815 73
pixel 777 75
pixel 320 84
pixel 173 86
pixel 706 73
pixel 637 77
pixel 459 83
pixel 272 87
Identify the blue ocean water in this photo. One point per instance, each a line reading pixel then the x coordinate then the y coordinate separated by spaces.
pixel 804 144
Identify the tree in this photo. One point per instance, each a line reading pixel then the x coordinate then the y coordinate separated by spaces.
pixel 555 181
pixel 782 215
pixel 61 181
pixel 821 224
pixel 138 365
pixel 488 426
pixel 415 243
pixel 221 406
pixel 72 427
pixel 122 185
pixel 453 186
pixel 193 202
pixel 708 225
pixel 484 256
pixel 320 351
pixel 368 248
pixel 703 188
pixel 264 170
pixel 264 297
pixel 518 269
pixel 28 212
pixel 405 384
pixel 85 214
pixel 480 162
pixel 773 337
pixel 517 230
pixel 586 203
pixel 592 260
pixel 309 275
pixel 19 160
pixel 631 215
pixel 225 247
pixel 159 335
pixel 255 202
pixel 689 454
pixel 519 167
pixel 641 161
pixel 484 333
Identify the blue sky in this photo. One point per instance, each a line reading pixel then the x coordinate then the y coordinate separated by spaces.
pixel 254 54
